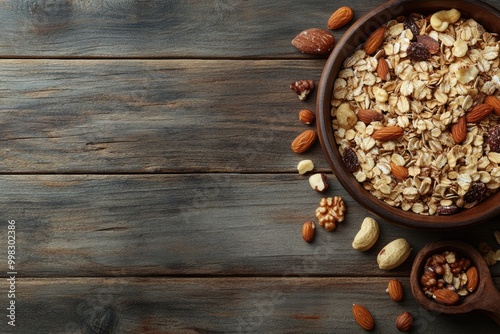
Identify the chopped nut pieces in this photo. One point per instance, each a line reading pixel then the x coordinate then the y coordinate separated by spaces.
pixel 318 182
pixel 331 211
pixel 305 166
pixel 439 111
pixel 448 277
pixel 302 88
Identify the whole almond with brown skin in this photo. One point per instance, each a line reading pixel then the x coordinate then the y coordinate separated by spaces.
pixel 374 40
pixel 387 133
pixel 478 113
pixel 446 296
pixel 369 115
pixel 430 43
pixel 314 41
pixel 472 279
pixel 395 290
pixel 399 172
pixel 404 322
pixel 308 231
pixel 340 18
pixel 383 70
pixel 459 130
pixel 306 116
pixel 363 317
pixel 304 141
pixel 494 102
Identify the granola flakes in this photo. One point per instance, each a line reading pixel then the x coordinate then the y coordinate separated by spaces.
pixel 425 94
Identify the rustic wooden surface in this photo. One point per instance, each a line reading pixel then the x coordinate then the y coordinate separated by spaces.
pixel 146 161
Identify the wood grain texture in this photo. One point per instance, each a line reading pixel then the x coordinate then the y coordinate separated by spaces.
pixel 194 224
pixel 221 305
pixel 95 116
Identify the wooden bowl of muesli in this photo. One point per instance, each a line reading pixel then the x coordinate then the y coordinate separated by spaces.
pixel 411 126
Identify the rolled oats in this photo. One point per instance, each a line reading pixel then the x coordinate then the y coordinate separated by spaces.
pixel 424 94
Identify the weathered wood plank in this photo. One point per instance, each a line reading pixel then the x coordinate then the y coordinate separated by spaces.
pixel 221 305
pixel 194 224
pixel 163 28
pixel 94 116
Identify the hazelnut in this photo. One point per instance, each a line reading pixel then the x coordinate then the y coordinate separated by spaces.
pixel 404 322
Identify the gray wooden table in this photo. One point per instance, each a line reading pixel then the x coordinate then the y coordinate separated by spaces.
pixel 145 159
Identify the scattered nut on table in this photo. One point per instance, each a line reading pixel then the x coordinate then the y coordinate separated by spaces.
pixel 367 235
pixel 308 231
pixel 395 290
pixel 393 254
pixel 318 182
pixel 305 166
pixel 331 211
pixel 404 322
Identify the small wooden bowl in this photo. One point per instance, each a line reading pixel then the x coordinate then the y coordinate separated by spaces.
pixel 352 38
pixel 486 298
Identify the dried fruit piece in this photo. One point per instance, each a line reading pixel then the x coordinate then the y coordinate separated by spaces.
pixel 478 113
pixel 446 296
pixel 363 317
pixel 409 23
pixel 308 231
pixel 395 290
pixel 314 41
pixel 476 192
pixel 374 40
pixel 331 211
pixel 303 141
pixel 306 116
pixel 388 133
pixel 302 88
pixel 340 18
pixel 367 235
pixel 418 52
pixel 369 115
pixel 459 130
pixel 494 138
pixel 350 159
pixel 444 210
pixel 430 43
pixel 383 69
pixel 318 182
pixel 404 322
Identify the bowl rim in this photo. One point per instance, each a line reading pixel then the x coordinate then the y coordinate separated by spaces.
pixel 352 38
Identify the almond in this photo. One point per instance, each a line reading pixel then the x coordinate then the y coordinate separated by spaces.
pixel 446 296
pixel 472 278
pixel 383 69
pixel 430 43
pixel 399 172
pixel 459 130
pixel 304 141
pixel 369 115
pixel 314 41
pixel 478 113
pixel 374 40
pixel 494 102
pixel 387 133
pixel 340 18
pixel 395 290
pixel 306 116
pixel 363 317
pixel 308 231
pixel 404 322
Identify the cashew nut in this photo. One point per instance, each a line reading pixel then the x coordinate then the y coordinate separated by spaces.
pixel 345 116
pixel 380 94
pixel 440 20
pixel 367 235
pixel 393 254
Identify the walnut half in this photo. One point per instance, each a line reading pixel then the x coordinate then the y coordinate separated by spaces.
pixel 331 211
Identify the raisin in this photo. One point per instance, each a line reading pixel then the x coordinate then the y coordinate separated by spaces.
pixel 445 210
pixel 350 159
pixel 418 52
pixel 494 138
pixel 476 192
pixel 409 23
